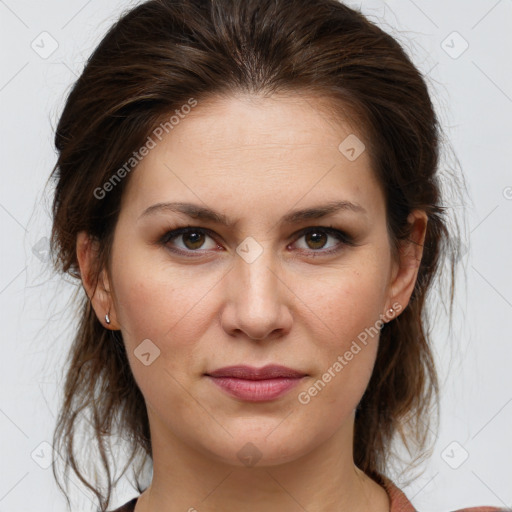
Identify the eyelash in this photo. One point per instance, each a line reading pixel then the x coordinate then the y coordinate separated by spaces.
pixel 344 238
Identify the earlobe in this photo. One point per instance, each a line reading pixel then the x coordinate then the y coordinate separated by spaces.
pixel 410 255
pixel 95 283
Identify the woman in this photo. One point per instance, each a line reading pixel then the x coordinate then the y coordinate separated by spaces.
pixel 248 193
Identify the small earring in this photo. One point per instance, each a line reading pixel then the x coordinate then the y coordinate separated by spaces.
pixel 107 319
pixel 391 311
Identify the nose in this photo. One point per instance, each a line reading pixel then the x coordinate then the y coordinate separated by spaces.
pixel 257 302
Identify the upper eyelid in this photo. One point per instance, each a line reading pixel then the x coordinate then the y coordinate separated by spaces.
pixel 335 232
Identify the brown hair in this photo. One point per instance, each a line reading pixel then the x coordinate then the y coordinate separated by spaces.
pixel 152 61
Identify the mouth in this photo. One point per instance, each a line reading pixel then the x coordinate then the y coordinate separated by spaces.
pixel 256 384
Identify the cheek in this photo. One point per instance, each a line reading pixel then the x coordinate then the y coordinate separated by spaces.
pixel 147 296
pixel 346 309
pixel 344 303
pixel 159 303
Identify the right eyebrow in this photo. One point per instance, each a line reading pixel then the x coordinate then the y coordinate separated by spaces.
pixel 196 211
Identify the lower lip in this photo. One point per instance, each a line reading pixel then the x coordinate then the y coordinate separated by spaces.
pixel 256 390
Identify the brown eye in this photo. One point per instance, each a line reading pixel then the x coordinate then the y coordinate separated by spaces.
pixel 192 241
pixel 196 239
pixel 316 239
pixel 187 240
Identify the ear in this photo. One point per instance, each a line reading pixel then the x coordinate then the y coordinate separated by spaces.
pixel 96 285
pixel 405 271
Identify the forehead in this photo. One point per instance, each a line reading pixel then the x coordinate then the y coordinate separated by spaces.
pixel 255 149
pixel 273 125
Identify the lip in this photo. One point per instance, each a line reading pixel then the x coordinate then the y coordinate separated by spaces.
pixel 256 384
pixel 270 371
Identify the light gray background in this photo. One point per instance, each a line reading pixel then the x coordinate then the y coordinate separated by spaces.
pixel 473 92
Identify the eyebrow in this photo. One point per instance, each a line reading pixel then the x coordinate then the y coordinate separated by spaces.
pixel 207 214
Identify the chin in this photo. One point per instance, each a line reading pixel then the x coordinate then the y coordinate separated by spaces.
pixel 262 450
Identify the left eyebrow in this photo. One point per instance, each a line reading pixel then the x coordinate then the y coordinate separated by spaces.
pixel 207 214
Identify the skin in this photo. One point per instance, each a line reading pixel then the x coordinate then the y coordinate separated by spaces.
pixel 253 159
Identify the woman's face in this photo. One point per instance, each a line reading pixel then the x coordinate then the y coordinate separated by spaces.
pixel 256 291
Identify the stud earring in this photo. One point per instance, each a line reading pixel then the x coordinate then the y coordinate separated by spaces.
pixel 391 311
pixel 107 319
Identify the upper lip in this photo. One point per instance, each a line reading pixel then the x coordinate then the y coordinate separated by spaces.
pixel 271 371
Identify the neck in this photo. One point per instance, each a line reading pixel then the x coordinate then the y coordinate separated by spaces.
pixel 324 479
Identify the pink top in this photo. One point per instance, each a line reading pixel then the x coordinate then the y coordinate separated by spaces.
pixel 398 500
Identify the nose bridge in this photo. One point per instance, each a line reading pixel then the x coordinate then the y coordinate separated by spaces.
pixel 257 300
pixel 256 268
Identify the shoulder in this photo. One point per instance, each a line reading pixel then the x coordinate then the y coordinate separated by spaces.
pixel 483 509
pixel 400 503
pixel 127 507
